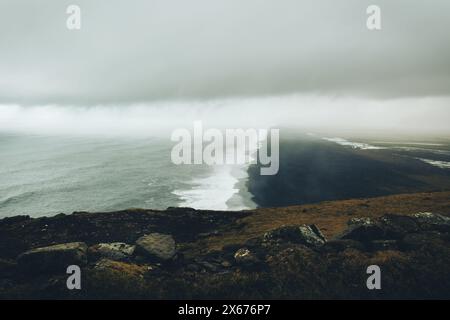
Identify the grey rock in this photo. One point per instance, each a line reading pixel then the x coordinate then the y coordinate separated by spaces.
pixel 396 227
pixel 309 237
pixel 318 232
pixel 104 264
pixel 113 251
pixel 156 246
pixel 429 221
pixel 303 234
pixel 364 232
pixel 359 221
pixel 245 257
pixel 54 258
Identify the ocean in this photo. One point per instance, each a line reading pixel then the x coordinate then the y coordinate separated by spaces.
pixel 43 175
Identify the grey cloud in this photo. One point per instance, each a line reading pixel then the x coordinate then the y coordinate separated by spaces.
pixel 144 50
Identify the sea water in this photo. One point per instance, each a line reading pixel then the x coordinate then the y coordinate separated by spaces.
pixel 47 174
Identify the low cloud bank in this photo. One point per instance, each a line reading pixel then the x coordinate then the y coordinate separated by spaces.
pixel 412 115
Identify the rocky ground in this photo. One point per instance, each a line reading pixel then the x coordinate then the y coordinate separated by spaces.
pixel 302 252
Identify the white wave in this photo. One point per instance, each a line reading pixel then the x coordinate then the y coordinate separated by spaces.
pixel 220 190
pixel 436 163
pixel 354 145
pixel 212 192
pixel 411 143
pixel 435 151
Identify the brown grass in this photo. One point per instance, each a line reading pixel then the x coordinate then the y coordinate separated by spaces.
pixel 331 216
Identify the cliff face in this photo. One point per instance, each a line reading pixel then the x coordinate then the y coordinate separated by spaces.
pixel 312 251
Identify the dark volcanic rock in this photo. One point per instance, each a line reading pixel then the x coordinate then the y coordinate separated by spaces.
pixel 114 251
pixel 156 246
pixel 19 234
pixel 431 221
pixel 365 232
pixel 303 234
pixel 53 258
pixel 359 221
pixel 244 257
pixel 396 227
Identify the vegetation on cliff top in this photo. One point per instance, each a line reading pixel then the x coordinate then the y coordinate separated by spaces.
pixel 310 251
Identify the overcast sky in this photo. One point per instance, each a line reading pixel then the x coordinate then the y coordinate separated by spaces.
pixel 146 50
pixel 137 66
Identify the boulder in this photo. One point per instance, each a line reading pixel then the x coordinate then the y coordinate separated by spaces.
pixel 429 221
pixel 244 257
pixel 54 258
pixel 156 246
pixel 396 226
pixel 123 268
pixel 303 234
pixel 364 230
pixel 317 231
pixel 113 251
pixel 310 237
pixel 359 221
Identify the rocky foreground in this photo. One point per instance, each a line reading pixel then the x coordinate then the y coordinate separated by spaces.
pixel 316 251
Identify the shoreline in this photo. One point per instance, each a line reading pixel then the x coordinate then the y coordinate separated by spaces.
pixel 313 170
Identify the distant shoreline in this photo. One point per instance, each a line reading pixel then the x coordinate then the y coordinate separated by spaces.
pixel 314 170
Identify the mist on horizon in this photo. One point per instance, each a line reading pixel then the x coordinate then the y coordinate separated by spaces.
pixel 412 116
